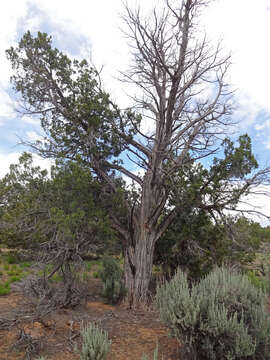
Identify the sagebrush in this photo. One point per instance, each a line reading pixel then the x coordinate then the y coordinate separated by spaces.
pixel 95 343
pixel 221 317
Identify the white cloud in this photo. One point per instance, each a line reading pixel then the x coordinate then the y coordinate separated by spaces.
pixel 99 23
pixel 33 23
pixel 33 136
pixel 263 132
pixel 246 111
pixel 263 126
pixel 11 11
pixel 13 158
pixel 258 201
pixel 244 27
pixel 43 163
pixel 6 160
pixel 6 107
pixel 30 120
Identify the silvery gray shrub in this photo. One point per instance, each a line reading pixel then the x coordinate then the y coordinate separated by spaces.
pixel 221 317
pixel 95 343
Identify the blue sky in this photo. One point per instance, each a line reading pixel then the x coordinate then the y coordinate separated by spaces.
pixel 90 28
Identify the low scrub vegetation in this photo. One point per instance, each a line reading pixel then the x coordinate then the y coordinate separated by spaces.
pixel 4 288
pixel 259 281
pixel 11 271
pixel 95 343
pixel 112 277
pixel 221 317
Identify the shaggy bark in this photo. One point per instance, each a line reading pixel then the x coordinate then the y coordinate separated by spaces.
pixel 138 267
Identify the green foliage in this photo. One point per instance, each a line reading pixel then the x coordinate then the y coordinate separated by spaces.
pixel 88 265
pixel 260 282
pixel 25 264
pixel 221 317
pixel 13 279
pixel 238 161
pixel 4 288
pixel 193 243
pixel 196 244
pixel 112 277
pixel 13 272
pixel 197 239
pixel 19 195
pixel 57 277
pixel 82 120
pixel 66 206
pixel 12 258
pixel 95 343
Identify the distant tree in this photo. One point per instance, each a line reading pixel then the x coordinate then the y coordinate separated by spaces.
pixel 59 216
pixel 173 70
pixel 22 198
pixel 196 244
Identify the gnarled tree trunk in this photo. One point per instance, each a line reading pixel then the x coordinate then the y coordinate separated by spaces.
pixel 138 267
pixel 143 234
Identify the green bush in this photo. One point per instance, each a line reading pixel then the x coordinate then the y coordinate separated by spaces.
pixel 221 317
pixel 13 279
pixel 95 275
pixel 25 264
pixel 259 282
pixel 88 265
pixel 95 343
pixel 4 289
pixel 12 258
pixel 13 273
pixel 112 277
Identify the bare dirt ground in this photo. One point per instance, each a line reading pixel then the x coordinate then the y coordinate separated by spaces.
pixel 132 332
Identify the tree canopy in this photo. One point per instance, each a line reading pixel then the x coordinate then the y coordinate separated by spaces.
pixel 58 214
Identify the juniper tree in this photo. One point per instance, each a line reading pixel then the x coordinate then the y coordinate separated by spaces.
pixel 58 217
pixel 181 90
